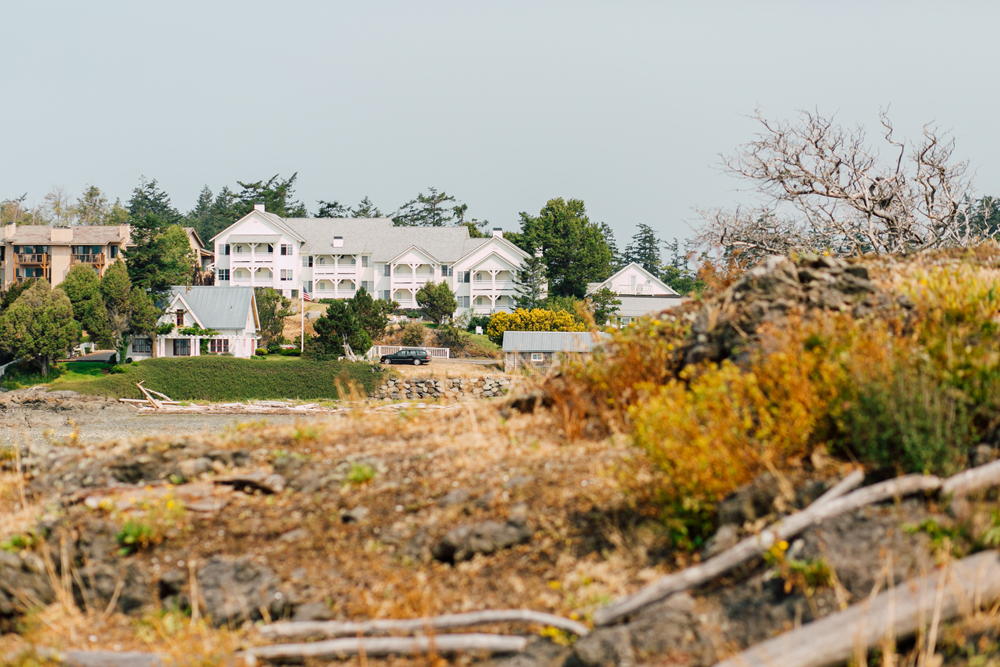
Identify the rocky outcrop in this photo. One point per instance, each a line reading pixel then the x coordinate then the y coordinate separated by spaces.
pixel 486 386
pixel 776 288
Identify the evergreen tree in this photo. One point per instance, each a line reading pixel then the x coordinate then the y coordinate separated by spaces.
pixel 531 285
pixel 150 215
pixel 331 209
pixel 430 210
pixel 644 250
pixel 366 209
pixel 437 301
pixel 83 288
pixel 276 194
pixel 678 274
pixel 574 248
pixel 372 314
pixel 476 227
pixel 39 325
pixel 617 259
pixel 210 214
pixel 338 325
pixel 129 308
pixel 603 305
pixel 272 309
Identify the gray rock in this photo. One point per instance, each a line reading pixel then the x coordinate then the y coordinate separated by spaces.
pixel 485 537
pixel 454 497
pixel 236 589
pixel 725 537
pixel 313 611
pixel 356 515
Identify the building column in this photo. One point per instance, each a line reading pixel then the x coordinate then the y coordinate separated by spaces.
pixel 196 347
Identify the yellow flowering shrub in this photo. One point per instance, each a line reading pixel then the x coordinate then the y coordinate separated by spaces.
pixel 537 319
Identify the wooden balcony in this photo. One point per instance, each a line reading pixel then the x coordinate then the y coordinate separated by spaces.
pixel 33 259
pixel 88 259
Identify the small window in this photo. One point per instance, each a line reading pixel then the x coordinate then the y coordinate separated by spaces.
pixel 269 249
pixel 364 261
pixel 307 261
pixel 286 274
pixel 180 318
pixel 227 249
pixel 142 346
pixel 388 270
pixel 286 249
pixel 295 294
pixel 217 346
pixel 114 251
pixel 444 270
pixel 182 347
pixel 537 356
pixel 224 274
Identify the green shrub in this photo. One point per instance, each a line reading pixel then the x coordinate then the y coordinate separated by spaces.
pixel 451 337
pixel 261 352
pixel 361 473
pixel 116 369
pixel 414 334
pixel 477 321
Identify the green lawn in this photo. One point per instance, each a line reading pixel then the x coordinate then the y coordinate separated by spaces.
pixel 229 379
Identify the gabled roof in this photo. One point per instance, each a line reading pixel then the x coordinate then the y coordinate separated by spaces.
pixel 637 306
pixel 278 222
pixel 593 287
pixel 82 235
pixel 479 243
pixel 551 341
pixel 218 307
pixel 418 249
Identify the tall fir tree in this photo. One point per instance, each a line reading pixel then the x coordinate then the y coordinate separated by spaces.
pixel 531 285
pixel 644 250
pixel 366 209
pixel 277 195
pixel 574 248
pixel 150 215
pixel 617 258
pixel 430 210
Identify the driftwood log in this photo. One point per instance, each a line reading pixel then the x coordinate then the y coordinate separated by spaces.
pixel 842 487
pixel 755 545
pixel 381 646
pixel 968 481
pixel 313 629
pixel 959 588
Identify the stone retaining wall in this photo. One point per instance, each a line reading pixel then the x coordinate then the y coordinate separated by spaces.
pixel 486 386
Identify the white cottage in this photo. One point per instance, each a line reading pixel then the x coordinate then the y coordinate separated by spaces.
pixel 640 292
pixel 229 311
pixel 334 257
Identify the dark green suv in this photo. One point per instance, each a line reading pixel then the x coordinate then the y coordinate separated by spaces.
pixel 415 357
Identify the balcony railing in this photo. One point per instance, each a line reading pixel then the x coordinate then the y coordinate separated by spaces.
pixel 327 270
pixel 32 259
pixel 488 285
pixel 88 259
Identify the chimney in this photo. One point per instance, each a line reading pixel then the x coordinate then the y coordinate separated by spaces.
pixel 9 230
pixel 61 235
pixel 498 232
pixel 338 241
pixel 259 207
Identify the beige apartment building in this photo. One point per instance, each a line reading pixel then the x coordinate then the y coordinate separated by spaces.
pixel 43 251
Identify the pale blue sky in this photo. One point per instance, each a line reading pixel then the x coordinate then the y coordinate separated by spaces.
pixel 505 105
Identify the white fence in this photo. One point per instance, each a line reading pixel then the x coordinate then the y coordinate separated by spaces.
pixel 379 350
pixel 3 369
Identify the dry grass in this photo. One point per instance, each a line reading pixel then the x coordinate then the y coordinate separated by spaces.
pixel 585 549
pixel 438 369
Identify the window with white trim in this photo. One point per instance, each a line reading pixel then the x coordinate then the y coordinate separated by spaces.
pixel 218 346
pixel 286 249
pixel 388 270
pixel 537 356
pixel 307 261
pixel 286 274
pixel 364 261
pixel 142 346
pixel 223 274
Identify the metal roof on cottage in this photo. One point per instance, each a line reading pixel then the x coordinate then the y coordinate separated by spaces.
pixel 218 307
pixel 551 341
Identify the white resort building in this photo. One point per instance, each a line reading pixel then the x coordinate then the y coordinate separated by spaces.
pixel 640 292
pixel 334 257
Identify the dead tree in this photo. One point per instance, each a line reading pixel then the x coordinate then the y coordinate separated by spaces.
pixel 825 188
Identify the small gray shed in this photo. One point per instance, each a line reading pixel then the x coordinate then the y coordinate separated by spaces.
pixel 535 349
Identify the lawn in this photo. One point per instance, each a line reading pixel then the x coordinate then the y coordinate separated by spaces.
pixel 230 379
pixel 69 371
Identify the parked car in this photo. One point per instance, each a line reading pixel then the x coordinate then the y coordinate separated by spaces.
pixel 415 357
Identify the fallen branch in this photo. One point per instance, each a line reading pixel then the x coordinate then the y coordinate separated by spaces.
pixel 966 585
pixel 755 545
pixel 975 479
pixel 310 629
pixel 381 646
pixel 842 487
pixel 145 392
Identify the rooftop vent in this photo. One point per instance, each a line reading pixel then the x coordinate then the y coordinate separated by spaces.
pixel 338 241
pixel 259 207
pixel 498 232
